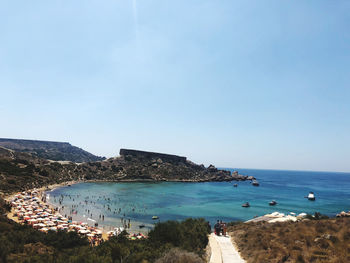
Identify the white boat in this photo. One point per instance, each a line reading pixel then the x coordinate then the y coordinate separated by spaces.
pixel 311 196
pixel 255 183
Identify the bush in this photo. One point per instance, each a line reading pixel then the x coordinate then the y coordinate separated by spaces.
pixel 191 234
pixel 176 255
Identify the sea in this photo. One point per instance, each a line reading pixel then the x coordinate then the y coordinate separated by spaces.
pixel 140 201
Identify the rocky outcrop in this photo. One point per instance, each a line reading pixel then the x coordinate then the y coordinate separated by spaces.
pixel 152 155
pixel 161 167
pixel 343 214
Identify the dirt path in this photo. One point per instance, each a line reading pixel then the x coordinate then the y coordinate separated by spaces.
pixel 223 251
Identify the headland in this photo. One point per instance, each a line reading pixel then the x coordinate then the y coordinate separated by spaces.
pixel 24 171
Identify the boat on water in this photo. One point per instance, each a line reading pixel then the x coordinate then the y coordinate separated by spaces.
pixel 246 204
pixel 155 217
pixel 235 185
pixel 273 202
pixel 311 196
pixel 255 183
pixel 141 226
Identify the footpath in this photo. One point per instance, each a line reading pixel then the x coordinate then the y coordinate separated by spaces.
pixel 223 251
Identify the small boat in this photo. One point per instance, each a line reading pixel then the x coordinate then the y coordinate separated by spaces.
pixel 255 183
pixel 141 226
pixel 273 202
pixel 311 196
pixel 246 204
pixel 235 185
pixel 155 217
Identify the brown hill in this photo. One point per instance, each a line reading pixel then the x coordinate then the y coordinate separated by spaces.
pixel 57 151
pixel 325 240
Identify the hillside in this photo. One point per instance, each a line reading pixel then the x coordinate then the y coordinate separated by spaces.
pixel 57 151
pixel 325 240
pixel 19 171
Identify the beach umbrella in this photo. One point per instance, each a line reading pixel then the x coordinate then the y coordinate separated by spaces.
pixel 50 223
pixel 31 221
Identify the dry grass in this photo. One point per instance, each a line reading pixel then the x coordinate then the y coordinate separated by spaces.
pixel 304 241
pixel 176 255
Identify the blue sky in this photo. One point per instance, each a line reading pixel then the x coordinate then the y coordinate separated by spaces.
pixel 254 84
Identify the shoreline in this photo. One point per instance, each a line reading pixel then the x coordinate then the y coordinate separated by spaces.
pixel 105 228
pixel 51 187
pixel 42 192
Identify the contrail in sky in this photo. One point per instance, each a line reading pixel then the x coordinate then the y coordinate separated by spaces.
pixel 135 19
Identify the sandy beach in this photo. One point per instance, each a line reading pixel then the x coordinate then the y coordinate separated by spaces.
pixel 106 230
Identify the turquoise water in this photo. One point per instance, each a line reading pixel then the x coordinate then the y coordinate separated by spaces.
pixel 212 200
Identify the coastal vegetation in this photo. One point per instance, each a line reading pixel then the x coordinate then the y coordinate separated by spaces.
pixel 317 240
pixel 182 241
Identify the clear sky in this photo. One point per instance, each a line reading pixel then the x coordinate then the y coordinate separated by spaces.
pixel 254 84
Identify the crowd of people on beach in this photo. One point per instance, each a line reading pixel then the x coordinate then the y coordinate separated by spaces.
pixel 83 207
pixel 31 208
pixel 220 228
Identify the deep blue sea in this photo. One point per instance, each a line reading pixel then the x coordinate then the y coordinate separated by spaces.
pixel 212 200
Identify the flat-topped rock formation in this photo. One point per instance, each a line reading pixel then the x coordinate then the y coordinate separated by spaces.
pixel 133 165
pixel 144 154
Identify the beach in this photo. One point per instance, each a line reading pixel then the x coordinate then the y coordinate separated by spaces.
pixel 33 208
